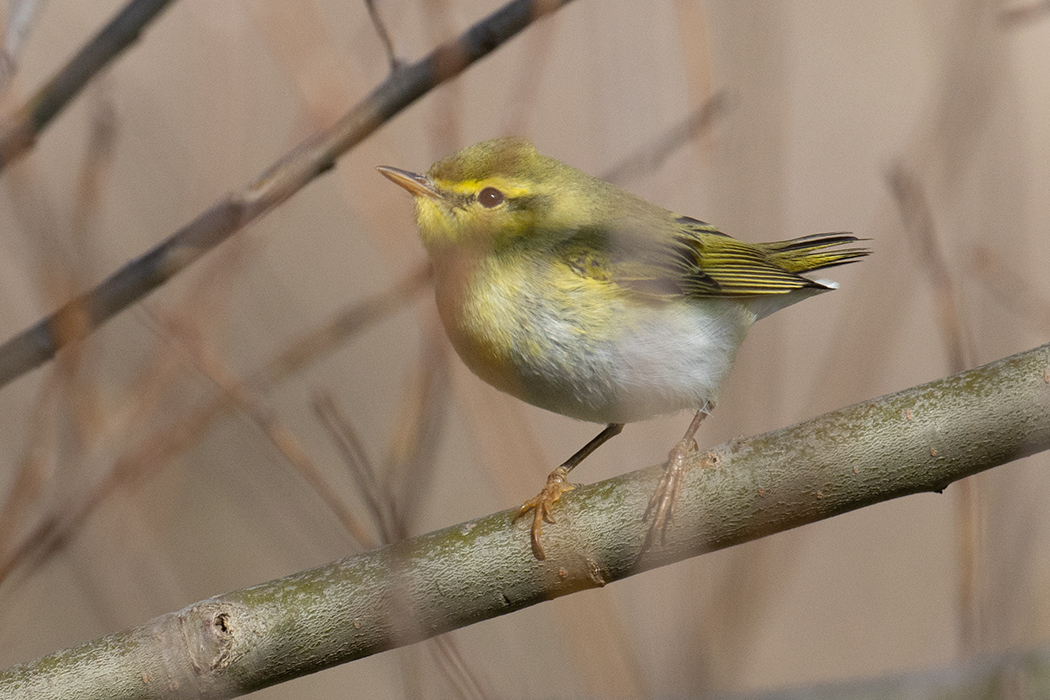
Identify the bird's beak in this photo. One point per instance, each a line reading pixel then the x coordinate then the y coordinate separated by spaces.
pixel 418 185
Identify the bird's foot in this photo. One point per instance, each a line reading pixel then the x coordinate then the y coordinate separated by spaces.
pixel 661 505
pixel 557 484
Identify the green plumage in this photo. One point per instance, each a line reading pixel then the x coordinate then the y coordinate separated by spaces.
pixel 576 296
pixel 719 266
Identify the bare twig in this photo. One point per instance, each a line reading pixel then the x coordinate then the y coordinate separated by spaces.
pixel 21 19
pixel 446 122
pixel 412 455
pixel 34 470
pixel 1011 290
pixel 139 403
pixel 456 669
pixel 412 458
pixel 535 57
pixel 652 156
pixel 97 167
pixel 915 211
pixel 329 335
pixel 384 506
pixel 377 498
pixel 384 35
pixel 1015 16
pixel 33 117
pixel 278 433
pixel 393 500
pixel 38 344
pixel 160 446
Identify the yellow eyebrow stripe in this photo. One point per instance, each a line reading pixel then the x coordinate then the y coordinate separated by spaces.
pixel 471 187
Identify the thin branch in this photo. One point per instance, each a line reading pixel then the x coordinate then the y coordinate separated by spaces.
pixel 132 415
pixel 1013 17
pixel 33 117
pixel 39 343
pixel 160 446
pixel 915 211
pixel 78 367
pixel 35 468
pixel 21 19
pixel 1011 289
pixel 280 436
pixel 527 78
pixel 378 499
pixel 918 440
pixel 650 158
pixel 457 671
pixel 392 525
pixel 412 457
pixel 326 337
pixel 384 35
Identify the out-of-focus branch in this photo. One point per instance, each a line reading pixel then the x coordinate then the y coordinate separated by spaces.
pixel 920 439
pixel 1023 14
pixel 38 344
pixel 21 17
pixel 1015 675
pixel 1009 288
pixel 32 118
pixel 384 35
pixel 280 436
pixel 653 155
pixel 158 447
pixel 915 211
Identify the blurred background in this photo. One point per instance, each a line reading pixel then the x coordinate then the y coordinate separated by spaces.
pixel 177 455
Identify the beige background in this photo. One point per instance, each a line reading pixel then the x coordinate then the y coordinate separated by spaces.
pixel 825 99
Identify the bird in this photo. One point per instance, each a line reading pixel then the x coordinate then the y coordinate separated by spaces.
pixel 576 296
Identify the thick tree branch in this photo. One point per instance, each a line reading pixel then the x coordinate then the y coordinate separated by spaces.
pixel 80 317
pixel 920 439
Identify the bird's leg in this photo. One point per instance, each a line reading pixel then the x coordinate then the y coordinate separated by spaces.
pixel 661 505
pixel 557 484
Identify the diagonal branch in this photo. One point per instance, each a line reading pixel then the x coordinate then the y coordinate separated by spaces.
pixel 39 343
pixel 52 97
pixel 920 439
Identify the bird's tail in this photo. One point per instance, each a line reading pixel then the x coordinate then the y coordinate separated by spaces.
pixel 814 252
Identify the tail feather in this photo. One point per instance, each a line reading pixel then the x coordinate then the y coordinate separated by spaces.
pixel 810 253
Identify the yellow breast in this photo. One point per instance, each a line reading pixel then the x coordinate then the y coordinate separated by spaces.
pixel 554 334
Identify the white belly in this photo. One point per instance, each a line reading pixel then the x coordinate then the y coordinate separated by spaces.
pixel 663 359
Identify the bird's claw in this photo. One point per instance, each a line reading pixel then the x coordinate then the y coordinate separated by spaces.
pixel 540 505
pixel 661 505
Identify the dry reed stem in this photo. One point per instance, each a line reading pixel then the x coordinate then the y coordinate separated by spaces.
pixel 280 436
pixel 1010 290
pixel 918 218
pixel 362 469
pixel 161 445
pixel 652 156
pixel 394 500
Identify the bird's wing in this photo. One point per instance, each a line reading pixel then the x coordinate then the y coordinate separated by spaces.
pixel 697 260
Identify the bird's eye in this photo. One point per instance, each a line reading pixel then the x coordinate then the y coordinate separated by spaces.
pixel 490 197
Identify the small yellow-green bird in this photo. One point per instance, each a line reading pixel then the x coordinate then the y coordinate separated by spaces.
pixel 571 294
